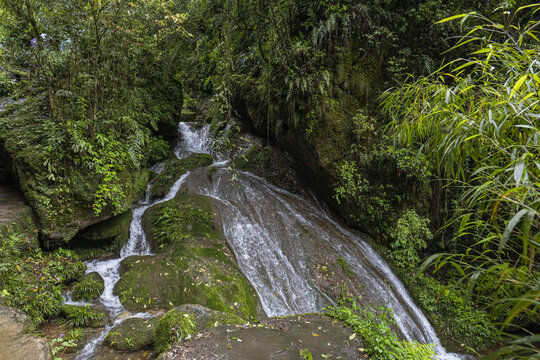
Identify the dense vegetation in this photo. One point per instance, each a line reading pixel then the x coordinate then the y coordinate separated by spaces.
pixel 416 120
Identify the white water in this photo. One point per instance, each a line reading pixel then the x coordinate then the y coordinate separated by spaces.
pixel 137 244
pixel 269 231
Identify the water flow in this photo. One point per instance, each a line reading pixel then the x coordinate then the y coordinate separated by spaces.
pixel 278 237
pixel 193 141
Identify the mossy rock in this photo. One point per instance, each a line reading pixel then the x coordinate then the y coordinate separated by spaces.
pixel 61 208
pixel 90 287
pixel 83 316
pixel 188 320
pixel 183 217
pixel 132 334
pixel 272 164
pixel 195 265
pixel 22 224
pixel 110 235
pixel 174 168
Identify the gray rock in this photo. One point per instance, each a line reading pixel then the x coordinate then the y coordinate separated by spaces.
pixel 15 344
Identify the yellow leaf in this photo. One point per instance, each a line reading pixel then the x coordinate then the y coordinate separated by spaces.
pixel 518 85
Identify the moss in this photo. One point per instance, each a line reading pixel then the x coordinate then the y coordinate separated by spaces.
pixel 177 219
pixel 344 265
pixel 90 287
pixel 174 168
pixel 195 265
pixel 270 163
pixel 25 225
pixel 187 320
pixel 132 334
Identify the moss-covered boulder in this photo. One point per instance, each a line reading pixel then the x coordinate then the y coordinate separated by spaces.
pixel 194 266
pixel 187 320
pixel 90 287
pixel 109 235
pixel 62 208
pixel 272 164
pixel 173 169
pixel 132 334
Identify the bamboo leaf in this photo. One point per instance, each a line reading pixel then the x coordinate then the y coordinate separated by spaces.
pixel 518 84
pixel 454 18
pixel 511 224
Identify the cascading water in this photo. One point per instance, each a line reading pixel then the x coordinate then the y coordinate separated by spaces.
pixel 271 233
pixel 137 244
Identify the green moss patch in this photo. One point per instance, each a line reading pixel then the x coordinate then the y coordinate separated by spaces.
pixel 272 164
pixel 174 168
pixel 187 320
pixel 132 334
pixel 194 266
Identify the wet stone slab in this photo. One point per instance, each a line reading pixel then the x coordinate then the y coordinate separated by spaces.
pixel 277 338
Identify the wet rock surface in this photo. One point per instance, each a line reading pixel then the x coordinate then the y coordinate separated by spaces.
pixel 282 339
pixel 15 344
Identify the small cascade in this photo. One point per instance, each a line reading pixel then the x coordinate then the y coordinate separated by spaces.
pixel 136 245
pixel 192 140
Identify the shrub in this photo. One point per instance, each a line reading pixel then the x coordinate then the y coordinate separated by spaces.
pixel 409 236
pixel 158 150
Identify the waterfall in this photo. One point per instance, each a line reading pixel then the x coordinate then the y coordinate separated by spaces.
pixel 276 237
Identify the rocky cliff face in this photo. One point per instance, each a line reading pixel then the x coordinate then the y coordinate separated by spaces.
pixel 61 207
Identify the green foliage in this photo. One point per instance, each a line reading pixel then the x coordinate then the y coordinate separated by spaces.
pixel 306 355
pixel 85 316
pixel 344 265
pixel 477 119
pixel 174 223
pixel 34 282
pixel 174 326
pixel 108 72
pixel 158 150
pixel 451 312
pixel 373 325
pixel 409 236
pixel 60 344
pixel 89 288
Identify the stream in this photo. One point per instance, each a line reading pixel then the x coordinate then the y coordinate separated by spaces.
pixel 276 237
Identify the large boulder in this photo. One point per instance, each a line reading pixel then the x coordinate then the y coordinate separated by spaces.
pixel 173 169
pixel 187 320
pixel 15 343
pixel 132 334
pixel 299 337
pixel 193 265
